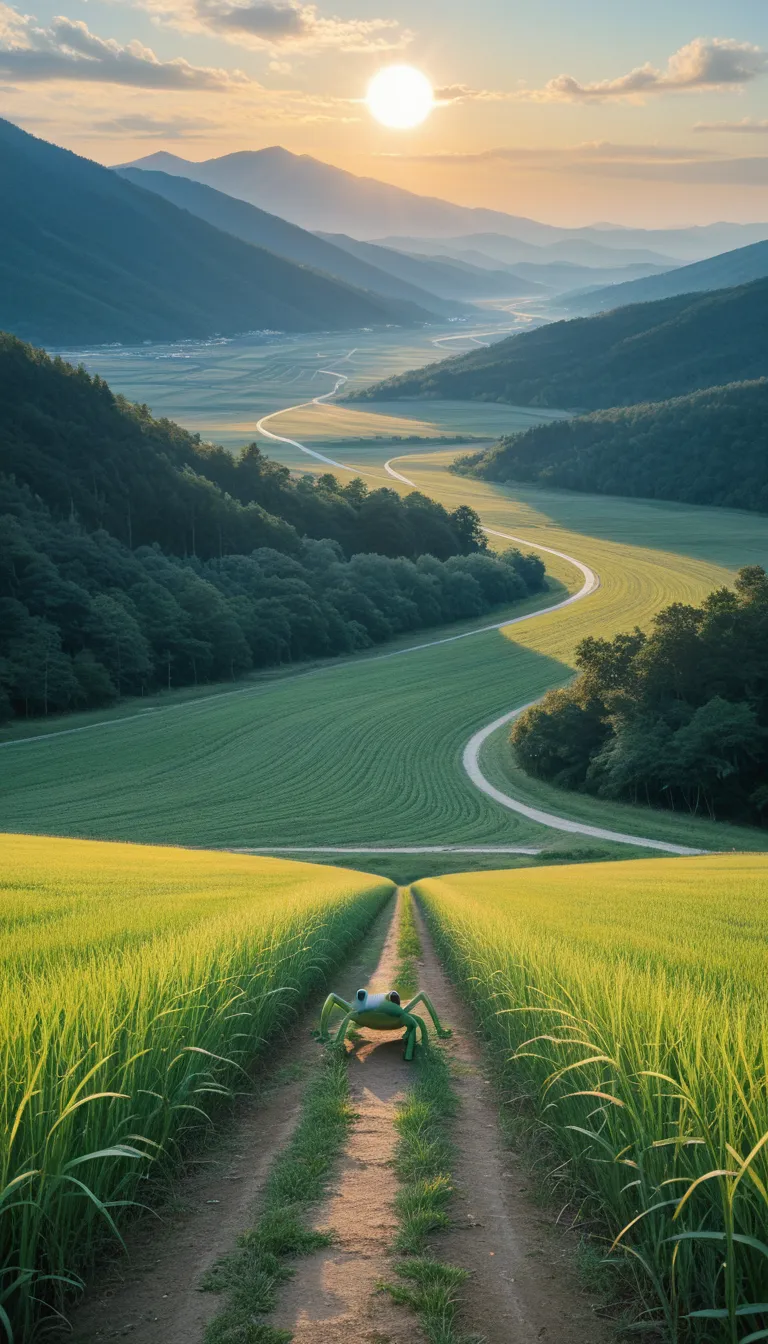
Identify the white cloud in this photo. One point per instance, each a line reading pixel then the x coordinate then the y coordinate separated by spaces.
pixel 264 25
pixel 68 50
pixel 705 63
pixel 748 125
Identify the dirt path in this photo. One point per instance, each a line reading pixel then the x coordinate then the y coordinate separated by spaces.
pixel 333 1299
pixel 152 1294
pixel 523 1287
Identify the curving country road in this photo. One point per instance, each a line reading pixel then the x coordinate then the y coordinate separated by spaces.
pixel 471 755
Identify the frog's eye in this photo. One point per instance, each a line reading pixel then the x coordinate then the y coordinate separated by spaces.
pixel 393 996
pixel 361 994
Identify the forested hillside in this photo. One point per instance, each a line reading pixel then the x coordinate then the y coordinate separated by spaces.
pixel 88 257
pixel 676 718
pixel 646 352
pixel 707 448
pixel 724 271
pixel 132 556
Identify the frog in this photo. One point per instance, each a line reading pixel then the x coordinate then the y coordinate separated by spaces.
pixel 382 1012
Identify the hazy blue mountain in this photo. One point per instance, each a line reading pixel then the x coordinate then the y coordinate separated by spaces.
pixel 644 352
pixel 322 197
pixel 509 251
pixel 87 257
pixel 441 277
pixel 722 272
pixel 256 226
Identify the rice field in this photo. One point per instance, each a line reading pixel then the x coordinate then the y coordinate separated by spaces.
pixel 139 985
pixel 627 1008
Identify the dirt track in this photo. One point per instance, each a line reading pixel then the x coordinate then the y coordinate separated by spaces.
pixel 522 1289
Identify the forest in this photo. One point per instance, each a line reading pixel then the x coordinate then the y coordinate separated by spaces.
pixel 707 448
pixel 134 557
pixel 674 718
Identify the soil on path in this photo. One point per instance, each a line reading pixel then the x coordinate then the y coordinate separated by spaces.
pixel 333 1298
pixel 153 1294
pixel 523 1287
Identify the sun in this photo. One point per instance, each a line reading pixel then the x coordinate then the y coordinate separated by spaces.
pixel 400 97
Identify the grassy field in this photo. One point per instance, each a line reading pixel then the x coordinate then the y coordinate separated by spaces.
pixel 221 388
pixel 627 1004
pixel 139 984
pixel 369 752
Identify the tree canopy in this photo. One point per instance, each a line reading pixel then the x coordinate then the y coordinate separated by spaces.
pixel 677 717
pixel 707 448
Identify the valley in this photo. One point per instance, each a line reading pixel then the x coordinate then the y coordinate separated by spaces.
pixel 345 688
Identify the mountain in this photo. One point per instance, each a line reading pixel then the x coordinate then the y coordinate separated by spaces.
pixel 706 448
pixel 645 352
pixel 723 272
pixel 499 247
pixel 261 229
pixel 445 278
pixel 322 197
pixel 87 257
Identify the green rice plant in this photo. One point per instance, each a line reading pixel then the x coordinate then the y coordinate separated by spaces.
pixel 139 986
pixel 628 1005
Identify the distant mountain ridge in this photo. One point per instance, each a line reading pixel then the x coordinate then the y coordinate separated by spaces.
pixel 738 267
pixel 87 257
pixel 258 227
pixel 327 199
pixel 644 352
pixel 441 276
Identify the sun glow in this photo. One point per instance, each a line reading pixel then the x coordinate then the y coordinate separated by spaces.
pixel 400 97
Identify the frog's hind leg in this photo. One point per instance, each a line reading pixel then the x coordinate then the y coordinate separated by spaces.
pixel 424 998
pixel 333 1001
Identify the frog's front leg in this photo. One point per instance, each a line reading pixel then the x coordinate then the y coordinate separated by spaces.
pixel 412 1024
pixel 333 1001
pixel 424 998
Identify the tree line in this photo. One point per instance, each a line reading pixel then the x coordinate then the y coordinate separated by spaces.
pixel 707 448
pixel 96 602
pixel 675 718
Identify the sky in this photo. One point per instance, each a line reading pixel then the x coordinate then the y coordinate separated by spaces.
pixel 561 110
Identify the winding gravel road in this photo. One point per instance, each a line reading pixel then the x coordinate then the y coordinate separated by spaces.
pixel 471 755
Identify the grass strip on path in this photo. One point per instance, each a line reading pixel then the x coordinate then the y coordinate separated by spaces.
pixel 423 1161
pixel 299 1180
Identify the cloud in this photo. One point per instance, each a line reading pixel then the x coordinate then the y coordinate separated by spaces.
pixel 599 151
pixel 601 158
pixel 705 63
pixel 68 50
pixel 747 124
pixel 280 27
pixel 144 126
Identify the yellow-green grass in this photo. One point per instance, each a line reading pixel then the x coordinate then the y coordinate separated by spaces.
pixel 629 1003
pixel 139 985
pixel 370 752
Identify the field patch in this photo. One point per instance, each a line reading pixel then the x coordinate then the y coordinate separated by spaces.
pixel 627 1003
pixel 139 986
